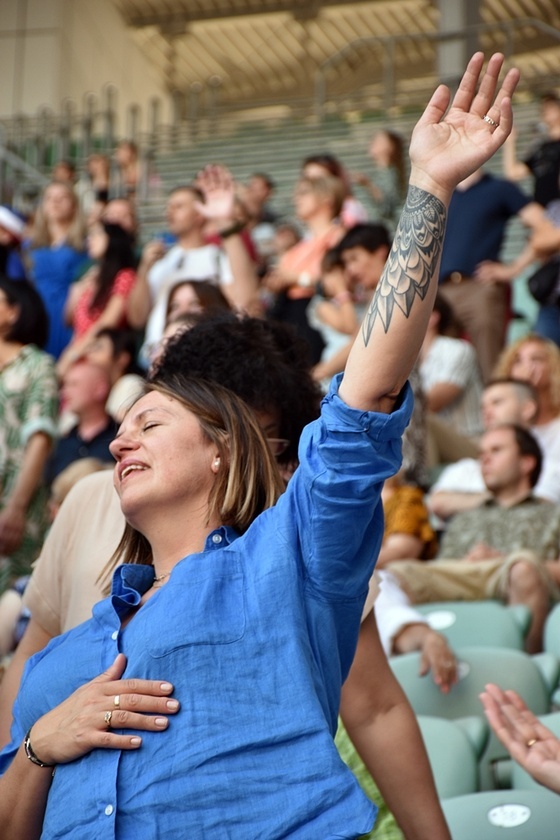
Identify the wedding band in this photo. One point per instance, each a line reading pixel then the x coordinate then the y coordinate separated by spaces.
pixel 107 718
pixel 532 741
pixel 117 701
pixel 489 120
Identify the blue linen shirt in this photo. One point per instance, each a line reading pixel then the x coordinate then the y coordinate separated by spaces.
pixel 257 633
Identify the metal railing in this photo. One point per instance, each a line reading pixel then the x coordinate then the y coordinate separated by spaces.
pixel 29 145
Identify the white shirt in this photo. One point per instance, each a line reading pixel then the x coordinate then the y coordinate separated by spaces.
pixel 454 361
pixel 465 476
pixel 205 263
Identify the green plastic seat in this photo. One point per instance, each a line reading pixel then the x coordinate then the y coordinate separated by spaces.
pixel 453 756
pixel 551 640
pixel 504 815
pixel 534 678
pixel 486 623
pixel 520 779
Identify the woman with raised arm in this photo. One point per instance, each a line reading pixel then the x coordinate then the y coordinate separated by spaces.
pixel 232 625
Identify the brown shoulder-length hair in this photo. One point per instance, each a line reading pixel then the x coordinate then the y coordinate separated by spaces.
pixel 248 481
pixel 507 357
pixel 75 236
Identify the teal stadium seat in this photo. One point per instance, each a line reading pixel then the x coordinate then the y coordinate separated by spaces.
pixel 504 815
pixel 534 678
pixel 487 623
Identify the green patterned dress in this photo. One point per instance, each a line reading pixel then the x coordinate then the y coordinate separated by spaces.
pixel 28 404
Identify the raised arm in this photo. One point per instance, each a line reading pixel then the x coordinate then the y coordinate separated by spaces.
pixel 218 187
pixel 444 149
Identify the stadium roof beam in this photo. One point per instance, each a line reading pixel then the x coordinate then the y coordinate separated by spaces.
pixel 192 12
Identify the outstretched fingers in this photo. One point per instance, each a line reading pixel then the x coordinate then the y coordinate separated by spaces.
pixel 436 107
pixel 484 98
pixel 466 92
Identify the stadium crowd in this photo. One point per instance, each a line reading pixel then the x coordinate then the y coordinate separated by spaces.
pixel 269 307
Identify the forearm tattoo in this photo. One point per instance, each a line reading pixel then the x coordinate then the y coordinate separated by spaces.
pixel 414 255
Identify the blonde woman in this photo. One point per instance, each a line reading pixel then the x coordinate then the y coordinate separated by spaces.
pixel 55 256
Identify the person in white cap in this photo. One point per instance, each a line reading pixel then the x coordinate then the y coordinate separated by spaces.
pixel 12 228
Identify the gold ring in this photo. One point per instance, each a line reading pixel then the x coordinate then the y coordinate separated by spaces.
pixel 532 741
pixel 117 701
pixel 489 120
pixel 107 718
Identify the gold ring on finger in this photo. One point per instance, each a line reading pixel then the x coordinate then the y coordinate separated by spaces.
pixel 532 741
pixel 107 718
pixel 117 701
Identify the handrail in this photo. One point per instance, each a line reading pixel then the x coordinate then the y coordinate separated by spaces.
pixel 388 43
pixel 76 134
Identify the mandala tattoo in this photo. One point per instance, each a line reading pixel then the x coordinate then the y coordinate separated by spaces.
pixel 415 250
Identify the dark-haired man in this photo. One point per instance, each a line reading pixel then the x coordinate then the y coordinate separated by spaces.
pixel 460 486
pixel 499 549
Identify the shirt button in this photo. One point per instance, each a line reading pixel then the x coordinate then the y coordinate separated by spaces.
pixel 216 539
pixel 109 810
pixel 115 635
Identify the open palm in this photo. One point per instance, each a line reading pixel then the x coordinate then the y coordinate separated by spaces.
pixel 447 147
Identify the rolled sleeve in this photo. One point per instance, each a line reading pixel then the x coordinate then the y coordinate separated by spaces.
pixel 345 457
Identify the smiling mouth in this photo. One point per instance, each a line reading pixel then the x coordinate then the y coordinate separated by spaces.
pixel 131 468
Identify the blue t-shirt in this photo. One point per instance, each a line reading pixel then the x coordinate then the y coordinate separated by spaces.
pixel 257 634
pixel 476 223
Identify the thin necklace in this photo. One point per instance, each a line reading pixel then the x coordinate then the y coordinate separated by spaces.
pixel 158 578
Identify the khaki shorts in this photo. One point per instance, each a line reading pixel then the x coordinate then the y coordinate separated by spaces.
pixel 462 580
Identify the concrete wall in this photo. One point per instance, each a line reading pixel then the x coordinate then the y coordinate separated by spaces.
pixel 51 50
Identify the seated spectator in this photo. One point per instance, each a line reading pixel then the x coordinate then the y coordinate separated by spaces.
pixel 450 377
pixel 537 360
pixel 99 299
pixel 472 278
pixel 14 616
pixel 114 351
pixel 328 166
pixel 542 161
pixel 408 532
pixel 28 412
pixel 259 190
pixel 230 267
pixel 65 172
pixel 128 172
pixel 12 228
pixel 331 311
pixel 55 257
pixel 189 297
pixel 121 211
pixel 461 487
pixel 84 392
pixel 500 549
pixel 387 188
pixel 318 202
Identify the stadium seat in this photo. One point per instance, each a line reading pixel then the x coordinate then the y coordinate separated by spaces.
pixel 503 814
pixel 487 623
